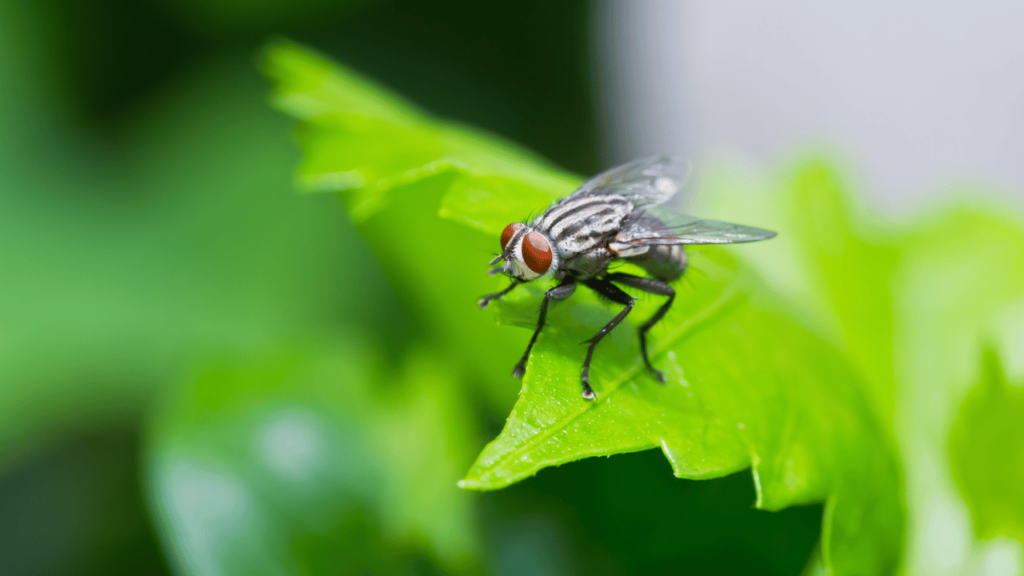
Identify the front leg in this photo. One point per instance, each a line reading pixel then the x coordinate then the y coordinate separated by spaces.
pixel 560 292
pixel 487 299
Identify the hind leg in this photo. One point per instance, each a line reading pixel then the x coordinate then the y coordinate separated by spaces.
pixel 654 287
pixel 615 294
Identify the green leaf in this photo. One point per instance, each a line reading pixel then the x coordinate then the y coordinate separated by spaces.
pixel 987 453
pixel 746 387
pixel 749 386
pixel 300 461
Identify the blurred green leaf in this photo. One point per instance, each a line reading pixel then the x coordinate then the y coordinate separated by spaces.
pixel 118 271
pixel 913 304
pixel 959 271
pixel 749 387
pixel 300 460
pixel 987 453
pixel 829 256
pixel 854 268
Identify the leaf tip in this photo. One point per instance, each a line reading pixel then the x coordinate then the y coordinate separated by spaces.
pixel 274 50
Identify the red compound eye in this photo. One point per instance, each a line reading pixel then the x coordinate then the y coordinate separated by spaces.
pixel 537 252
pixel 508 233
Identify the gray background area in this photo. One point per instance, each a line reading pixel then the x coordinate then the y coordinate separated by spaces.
pixel 918 98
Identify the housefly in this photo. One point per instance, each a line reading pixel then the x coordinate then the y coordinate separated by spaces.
pixel 625 213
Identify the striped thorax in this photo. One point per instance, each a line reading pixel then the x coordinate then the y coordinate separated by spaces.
pixel 579 224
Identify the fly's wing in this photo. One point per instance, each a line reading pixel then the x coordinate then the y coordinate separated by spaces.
pixel 646 181
pixel 653 184
pixel 650 231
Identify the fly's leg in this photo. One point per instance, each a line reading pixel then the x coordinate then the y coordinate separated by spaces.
pixel 487 299
pixel 615 294
pixel 654 287
pixel 560 292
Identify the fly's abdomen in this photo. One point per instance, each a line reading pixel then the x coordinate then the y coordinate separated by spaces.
pixel 663 262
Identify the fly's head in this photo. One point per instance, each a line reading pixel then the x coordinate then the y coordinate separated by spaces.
pixel 528 254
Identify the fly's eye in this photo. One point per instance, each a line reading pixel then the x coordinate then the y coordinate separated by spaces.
pixel 536 252
pixel 508 233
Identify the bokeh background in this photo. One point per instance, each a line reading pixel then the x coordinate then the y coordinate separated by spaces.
pixel 150 236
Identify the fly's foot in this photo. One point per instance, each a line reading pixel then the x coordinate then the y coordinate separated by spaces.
pixel 588 392
pixel 520 369
pixel 657 373
pixel 483 302
pixel 647 359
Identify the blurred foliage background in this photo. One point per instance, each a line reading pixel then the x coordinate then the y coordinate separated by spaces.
pixel 175 321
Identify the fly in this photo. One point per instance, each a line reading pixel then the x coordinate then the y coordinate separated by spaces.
pixel 621 214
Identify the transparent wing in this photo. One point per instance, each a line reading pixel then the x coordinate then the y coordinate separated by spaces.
pixel 654 184
pixel 653 232
pixel 645 181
